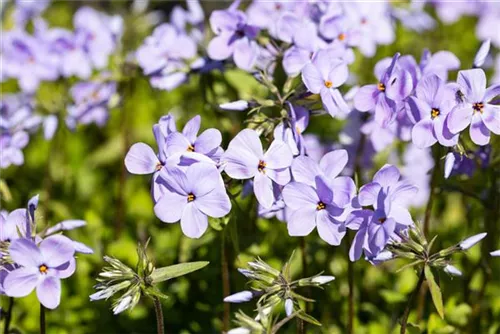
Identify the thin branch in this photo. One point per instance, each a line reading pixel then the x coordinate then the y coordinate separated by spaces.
pixel 8 316
pixel 160 326
pixel 404 320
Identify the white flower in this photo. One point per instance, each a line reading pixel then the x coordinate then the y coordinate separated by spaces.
pixel 239 105
pixel 452 270
pixel 495 253
pixel 471 241
pixel 288 307
pixel 323 279
pixel 239 297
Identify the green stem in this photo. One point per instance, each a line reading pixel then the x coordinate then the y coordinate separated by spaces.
pixel 225 283
pixel 8 316
pixel 160 326
pixel 404 320
pixel 42 319
pixel 350 279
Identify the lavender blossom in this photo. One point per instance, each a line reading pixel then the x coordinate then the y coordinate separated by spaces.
pixel 235 37
pixel 191 197
pixel 41 267
pixel 323 76
pixel 476 110
pixel 245 159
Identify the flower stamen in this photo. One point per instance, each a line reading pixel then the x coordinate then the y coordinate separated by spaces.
pixel 382 220
pixel 478 107
pixel 43 269
pixel 262 165
pixel 435 113
pixel 190 148
pixel 320 206
pixel 381 87
pixel 191 197
pixel 328 84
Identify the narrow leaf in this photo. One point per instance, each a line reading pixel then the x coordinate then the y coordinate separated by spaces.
pixel 166 273
pixel 306 317
pixel 414 263
pixel 154 292
pixel 437 297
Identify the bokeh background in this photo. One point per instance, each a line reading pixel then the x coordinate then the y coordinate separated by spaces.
pixel 81 175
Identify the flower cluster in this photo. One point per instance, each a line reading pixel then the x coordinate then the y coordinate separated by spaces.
pixel 32 261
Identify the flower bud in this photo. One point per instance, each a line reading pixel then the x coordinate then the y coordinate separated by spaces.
pixel 123 304
pixel 495 253
pixel 239 105
pixel 452 270
pixel 449 162
pixel 239 297
pixel 383 256
pixel 288 307
pixel 482 53
pixel 323 279
pixel 471 241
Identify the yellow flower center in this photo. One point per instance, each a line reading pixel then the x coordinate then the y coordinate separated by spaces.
pixel 328 84
pixel 341 37
pixel 262 165
pixel 381 87
pixel 190 148
pixel 478 107
pixel 435 113
pixel 159 166
pixel 191 197
pixel 43 269
pixel 320 206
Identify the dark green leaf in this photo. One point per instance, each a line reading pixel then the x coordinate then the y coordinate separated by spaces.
pixel 306 317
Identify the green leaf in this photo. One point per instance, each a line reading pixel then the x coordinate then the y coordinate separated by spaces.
pixel 154 292
pixel 306 317
pixel 181 269
pixel 437 297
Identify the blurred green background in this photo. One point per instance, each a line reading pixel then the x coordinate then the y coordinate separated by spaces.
pixel 81 175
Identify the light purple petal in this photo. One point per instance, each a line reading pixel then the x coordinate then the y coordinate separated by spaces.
pixel 170 207
pixel 491 118
pixel 479 133
pixel 20 282
pixel 422 134
pixel 66 269
pixel 333 163
pixel 387 175
pixel 357 245
pixel 473 83
pixel 338 74
pixel 25 253
pixel 208 141
pixel 368 193
pixel 323 190
pixel 366 98
pixel 49 292
pixel 263 190
pixel 344 190
pixel 66 225
pixel 202 178
pixel 299 195
pixel 191 128
pixel 243 154
pixel 141 159
pixel 328 229
pixel 302 222
pixel 278 155
pixel 177 143
pixel 312 78
pixel 245 53
pixel 305 169
pixel 401 215
pixel 214 204
pixel 280 176
pixel 56 250
pixel 384 111
pixel 193 222
pixel 219 47
pixel 459 118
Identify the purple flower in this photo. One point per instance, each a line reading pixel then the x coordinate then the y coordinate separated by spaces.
pixel 41 267
pixel 322 76
pixel 27 59
pixel 439 63
pixel 294 60
pixel 27 10
pixel 191 197
pixel 91 103
pixel 207 143
pixel 431 105
pixel 305 170
pixel 476 110
pixel 99 33
pixel 298 30
pixel 163 56
pixel 245 159
pixel 14 221
pixel 235 37
pixel 394 86
pixel 314 206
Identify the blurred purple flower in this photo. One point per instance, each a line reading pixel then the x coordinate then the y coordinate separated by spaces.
pixel 91 103
pixel 245 159
pixel 191 197
pixel 235 37
pixel 290 131
pixel 476 110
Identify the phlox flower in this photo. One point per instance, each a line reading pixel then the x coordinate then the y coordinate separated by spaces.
pixel 41 267
pixel 476 109
pixel 245 159
pixel 191 197
pixel 323 75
